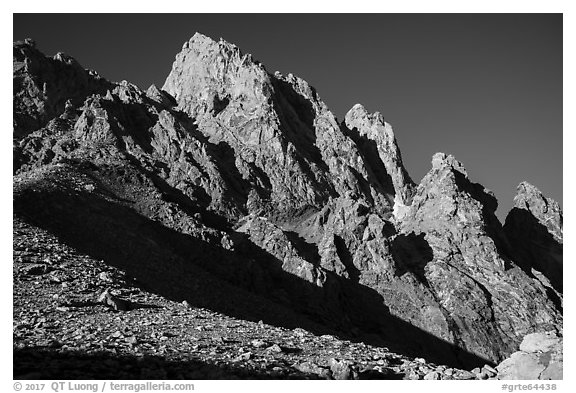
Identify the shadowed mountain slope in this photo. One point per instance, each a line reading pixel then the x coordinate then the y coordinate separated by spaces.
pixel 248 179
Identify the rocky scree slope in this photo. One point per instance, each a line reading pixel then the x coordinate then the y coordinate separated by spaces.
pixel 246 176
pixel 88 320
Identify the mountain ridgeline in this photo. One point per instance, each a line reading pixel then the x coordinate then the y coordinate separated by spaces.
pixel 248 177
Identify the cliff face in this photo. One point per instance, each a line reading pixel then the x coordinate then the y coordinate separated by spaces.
pixel 483 294
pixel 249 177
pixel 288 147
pixel 534 227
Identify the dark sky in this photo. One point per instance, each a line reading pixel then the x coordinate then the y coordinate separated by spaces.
pixel 486 88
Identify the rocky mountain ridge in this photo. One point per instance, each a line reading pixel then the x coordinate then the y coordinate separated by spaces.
pixel 248 177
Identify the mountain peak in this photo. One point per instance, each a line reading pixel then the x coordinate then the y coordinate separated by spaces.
pixel 249 176
pixel 43 85
pixel 381 149
pixel 443 160
pixel 202 43
pixel 528 195
pixel 199 37
pixel 546 210
pixel 206 73
pixel 534 228
pixel 359 113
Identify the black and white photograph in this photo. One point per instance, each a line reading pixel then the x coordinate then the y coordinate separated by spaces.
pixel 287 196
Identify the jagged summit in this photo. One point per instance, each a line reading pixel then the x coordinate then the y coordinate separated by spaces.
pixel 534 227
pixel 545 210
pixel 204 68
pixel 202 39
pixel 249 178
pixel 358 111
pixel 442 160
pixel 43 85
pixel 373 128
pixel 202 43
pixel 280 121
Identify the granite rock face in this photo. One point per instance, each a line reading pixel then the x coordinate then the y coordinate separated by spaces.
pixel 483 294
pixel 376 139
pixel 44 85
pixel 232 172
pixel 534 227
pixel 286 144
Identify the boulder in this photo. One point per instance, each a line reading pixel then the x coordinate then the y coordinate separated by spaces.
pixel 540 357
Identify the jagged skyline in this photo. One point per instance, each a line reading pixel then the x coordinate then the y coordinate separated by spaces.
pixel 474 86
pixel 236 190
